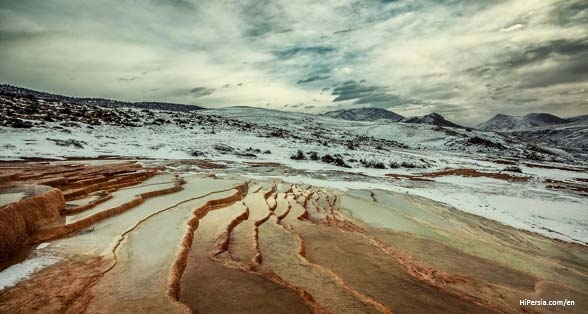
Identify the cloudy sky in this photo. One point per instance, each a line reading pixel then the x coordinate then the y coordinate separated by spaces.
pixel 466 59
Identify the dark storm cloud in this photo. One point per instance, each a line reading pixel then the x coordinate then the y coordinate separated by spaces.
pixel 201 91
pixel 128 78
pixel 567 56
pixel 343 31
pixel 262 17
pixel 313 78
pixel 541 52
pixel 574 70
pixel 180 4
pixel 361 93
pixel 570 12
pixel 353 90
pixel 11 32
pixel 8 36
pixel 296 51
pixel 385 99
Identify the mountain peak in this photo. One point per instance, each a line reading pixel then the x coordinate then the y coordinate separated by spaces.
pixel 545 118
pixel 501 116
pixel 502 122
pixel 432 119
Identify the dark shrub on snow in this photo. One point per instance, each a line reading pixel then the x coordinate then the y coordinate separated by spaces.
pixel 513 169
pixel 336 160
pixel 298 156
pixel 314 156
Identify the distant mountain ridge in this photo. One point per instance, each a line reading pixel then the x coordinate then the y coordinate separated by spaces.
pixel 503 122
pixel 374 114
pixel 15 91
pixel 541 128
pixel 432 119
pixel 364 114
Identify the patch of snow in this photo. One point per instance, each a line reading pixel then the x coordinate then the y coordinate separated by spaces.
pixel 554 173
pixel 18 272
pixel 42 245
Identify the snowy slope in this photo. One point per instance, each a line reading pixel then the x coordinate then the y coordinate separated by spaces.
pixel 432 119
pixel 364 114
pixel 38 128
pixel 579 119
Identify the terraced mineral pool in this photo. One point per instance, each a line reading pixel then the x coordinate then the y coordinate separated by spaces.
pixel 8 198
pixel 10 194
pixel 208 286
pixel 122 196
pixel 144 262
pixel 365 267
pixel 384 215
pixel 242 246
pixel 83 201
pixel 158 179
pixel 104 233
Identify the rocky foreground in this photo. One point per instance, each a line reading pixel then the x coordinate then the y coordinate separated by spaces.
pixel 123 237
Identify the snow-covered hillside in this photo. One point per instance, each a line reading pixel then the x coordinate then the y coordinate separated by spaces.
pixel 35 127
pixel 365 114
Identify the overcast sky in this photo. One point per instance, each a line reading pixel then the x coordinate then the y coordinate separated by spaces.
pixel 465 59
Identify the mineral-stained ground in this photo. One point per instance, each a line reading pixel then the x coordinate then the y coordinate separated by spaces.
pixel 116 236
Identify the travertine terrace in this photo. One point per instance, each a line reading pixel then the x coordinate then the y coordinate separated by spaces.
pixel 123 237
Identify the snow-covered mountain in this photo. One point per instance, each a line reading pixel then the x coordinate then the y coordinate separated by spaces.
pixel 502 122
pixel 542 128
pixel 431 119
pixel 498 122
pixel 364 114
